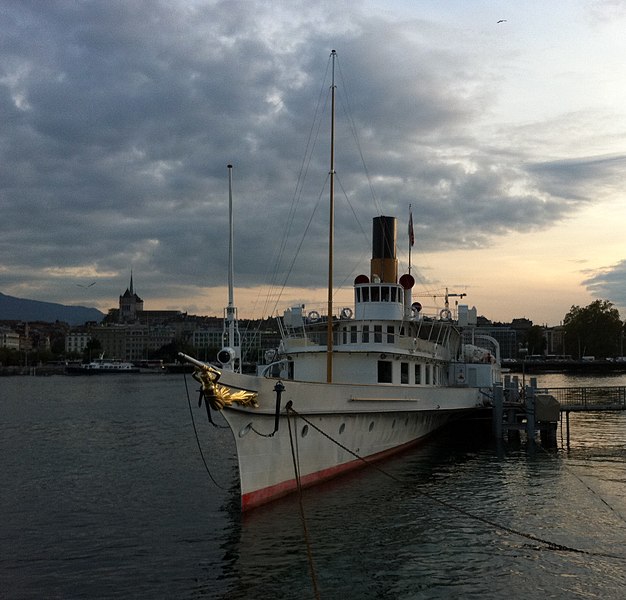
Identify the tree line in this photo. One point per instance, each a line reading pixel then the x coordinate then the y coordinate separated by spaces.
pixel 594 330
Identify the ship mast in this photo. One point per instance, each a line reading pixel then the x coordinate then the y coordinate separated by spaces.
pixel 331 235
pixel 230 356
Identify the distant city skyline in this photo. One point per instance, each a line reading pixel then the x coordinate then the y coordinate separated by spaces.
pixel 44 313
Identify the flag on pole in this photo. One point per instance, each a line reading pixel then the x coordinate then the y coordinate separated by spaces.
pixel 411 232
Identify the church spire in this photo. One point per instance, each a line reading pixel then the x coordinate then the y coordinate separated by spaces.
pixel 131 283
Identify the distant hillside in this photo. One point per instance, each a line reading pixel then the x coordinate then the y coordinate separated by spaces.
pixel 20 309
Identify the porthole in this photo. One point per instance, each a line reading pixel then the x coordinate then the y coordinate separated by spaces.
pixel 245 430
pixel 342 428
pixel 371 425
pixel 305 431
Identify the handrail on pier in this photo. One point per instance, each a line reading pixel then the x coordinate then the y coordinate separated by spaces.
pixel 590 398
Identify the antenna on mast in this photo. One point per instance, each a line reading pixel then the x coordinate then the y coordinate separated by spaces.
pixel 411 235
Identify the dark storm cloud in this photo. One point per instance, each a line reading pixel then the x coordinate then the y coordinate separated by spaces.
pixel 119 120
pixel 608 283
pixel 580 179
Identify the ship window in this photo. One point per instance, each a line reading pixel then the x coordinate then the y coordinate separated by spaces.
pixel 366 294
pixel 353 334
pixel 385 293
pixel 384 371
pixel 344 335
pixel 375 294
pixel 378 334
pixel 427 380
pixel 358 294
pixel 404 372
pixel 394 295
pixel 390 334
pixel 366 334
pixel 418 374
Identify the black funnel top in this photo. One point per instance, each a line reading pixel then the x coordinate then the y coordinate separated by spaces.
pixel 384 237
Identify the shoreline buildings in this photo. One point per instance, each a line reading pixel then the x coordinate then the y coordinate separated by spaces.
pixel 132 333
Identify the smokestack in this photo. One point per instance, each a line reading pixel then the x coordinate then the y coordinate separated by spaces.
pixel 384 264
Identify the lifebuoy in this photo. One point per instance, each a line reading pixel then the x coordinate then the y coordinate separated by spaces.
pixel 314 316
pixel 346 313
pixel 445 314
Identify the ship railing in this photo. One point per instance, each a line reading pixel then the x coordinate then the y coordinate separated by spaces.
pixel 278 368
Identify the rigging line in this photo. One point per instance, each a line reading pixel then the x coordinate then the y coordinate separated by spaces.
pixel 549 544
pixel 295 455
pixel 314 133
pixel 344 100
pixel 365 236
pixel 295 201
pixel 342 285
pixel 297 197
pixel 356 218
pixel 193 422
pixel 354 131
pixel 299 247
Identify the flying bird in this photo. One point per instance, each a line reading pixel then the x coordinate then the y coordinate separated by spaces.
pixel 502 21
pixel 86 286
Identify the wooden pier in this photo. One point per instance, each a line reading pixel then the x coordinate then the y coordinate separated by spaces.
pixel 529 408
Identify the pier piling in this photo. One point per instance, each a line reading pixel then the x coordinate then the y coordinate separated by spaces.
pixel 518 408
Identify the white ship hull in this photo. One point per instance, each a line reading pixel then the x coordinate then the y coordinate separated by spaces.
pixel 330 428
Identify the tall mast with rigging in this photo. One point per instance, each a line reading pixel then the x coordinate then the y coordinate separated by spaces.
pixel 331 231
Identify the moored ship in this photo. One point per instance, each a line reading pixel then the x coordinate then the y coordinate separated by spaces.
pixel 397 375
pixel 347 385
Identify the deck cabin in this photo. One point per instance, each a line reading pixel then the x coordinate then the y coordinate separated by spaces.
pixel 386 339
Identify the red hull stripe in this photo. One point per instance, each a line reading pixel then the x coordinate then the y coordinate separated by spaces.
pixel 265 495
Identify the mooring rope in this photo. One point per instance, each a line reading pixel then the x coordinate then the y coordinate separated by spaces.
pixel 589 488
pixel 529 536
pixel 582 481
pixel 193 422
pixel 596 494
pixel 295 455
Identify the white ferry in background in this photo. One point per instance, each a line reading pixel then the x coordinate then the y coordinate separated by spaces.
pixel 102 366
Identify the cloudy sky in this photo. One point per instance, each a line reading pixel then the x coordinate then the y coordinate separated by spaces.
pixel 508 139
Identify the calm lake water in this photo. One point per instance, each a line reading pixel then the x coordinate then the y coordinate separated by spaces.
pixel 104 495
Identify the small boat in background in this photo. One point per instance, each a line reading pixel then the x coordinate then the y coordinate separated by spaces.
pixel 102 366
